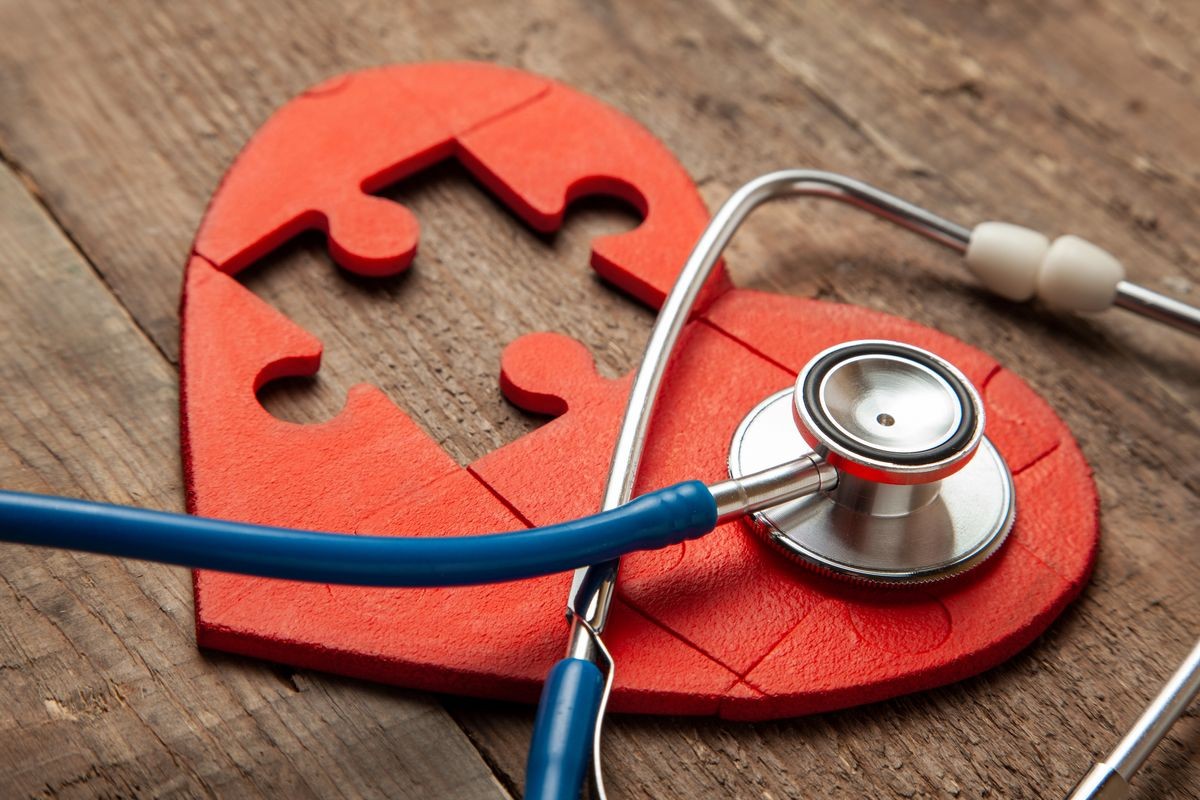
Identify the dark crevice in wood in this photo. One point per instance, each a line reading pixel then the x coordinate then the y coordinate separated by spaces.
pixel 35 193
pixel 504 777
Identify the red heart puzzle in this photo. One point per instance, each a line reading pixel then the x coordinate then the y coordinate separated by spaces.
pixel 721 625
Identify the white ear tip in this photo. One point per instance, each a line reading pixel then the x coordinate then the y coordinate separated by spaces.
pixel 1007 258
pixel 1076 275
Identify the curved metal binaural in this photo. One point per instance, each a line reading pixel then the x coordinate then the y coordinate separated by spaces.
pixel 591 592
pixel 1158 307
pixel 592 588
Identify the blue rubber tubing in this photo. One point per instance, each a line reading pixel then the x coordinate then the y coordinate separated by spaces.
pixel 657 519
pixel 563 730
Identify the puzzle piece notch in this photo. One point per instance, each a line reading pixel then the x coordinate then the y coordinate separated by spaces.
pixel 538 145
pixel 275 189
pixel 313 164
pixel 234 344
pixel 549 373
pixel 596 149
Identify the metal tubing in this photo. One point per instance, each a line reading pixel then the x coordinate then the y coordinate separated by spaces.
pixel 737 497
pixel 1158 307
pixel 1159 716
pixel 1110 778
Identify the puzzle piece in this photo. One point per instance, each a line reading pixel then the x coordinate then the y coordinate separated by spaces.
pixel 537 144
pixel 240 460
pixel 316 161
pixel 746 633
pixel 619 158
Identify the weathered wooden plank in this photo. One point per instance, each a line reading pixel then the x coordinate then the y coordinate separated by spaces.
pixel 103 690
pixel 1076 116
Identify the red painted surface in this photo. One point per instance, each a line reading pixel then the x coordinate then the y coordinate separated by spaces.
pixel 721 625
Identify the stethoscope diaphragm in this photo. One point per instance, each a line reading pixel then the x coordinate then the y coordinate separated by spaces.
pixel 921 495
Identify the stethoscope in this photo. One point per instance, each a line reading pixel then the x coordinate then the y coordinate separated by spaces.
pixel 874 467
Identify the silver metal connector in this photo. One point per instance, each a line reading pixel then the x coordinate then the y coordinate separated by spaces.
pixel 807 475
pixel 1102 783
pixel 1109 780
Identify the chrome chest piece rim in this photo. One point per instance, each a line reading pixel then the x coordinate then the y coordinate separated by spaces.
pixel 922 495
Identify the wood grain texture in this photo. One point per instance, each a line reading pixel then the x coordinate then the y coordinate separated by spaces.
pixel 103 690
pixel 1075 116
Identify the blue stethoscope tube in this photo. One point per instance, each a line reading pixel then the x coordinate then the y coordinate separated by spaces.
pixel 572 696
pixel 657 519
pixel 573 692
pixel 567 715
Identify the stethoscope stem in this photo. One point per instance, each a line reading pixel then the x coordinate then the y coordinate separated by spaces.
pixel 748 494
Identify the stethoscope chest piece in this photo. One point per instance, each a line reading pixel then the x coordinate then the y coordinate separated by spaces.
pixel 921 493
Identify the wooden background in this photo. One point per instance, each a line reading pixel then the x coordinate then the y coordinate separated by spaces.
pixel 116 121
